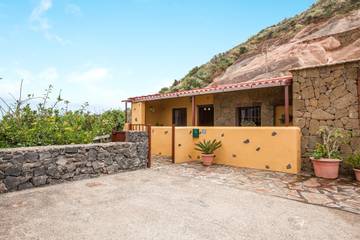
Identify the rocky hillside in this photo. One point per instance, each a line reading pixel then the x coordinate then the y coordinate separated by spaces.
pixel 329 31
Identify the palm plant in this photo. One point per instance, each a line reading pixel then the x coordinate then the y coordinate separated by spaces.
pixel 208 146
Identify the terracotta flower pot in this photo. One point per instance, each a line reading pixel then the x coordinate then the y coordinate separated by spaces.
pixel 207 159
pixel 357 174
pixel 326 168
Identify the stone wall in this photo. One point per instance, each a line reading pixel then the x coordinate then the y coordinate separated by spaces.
pixel 326 96
pixel 22 168
pixel 226 104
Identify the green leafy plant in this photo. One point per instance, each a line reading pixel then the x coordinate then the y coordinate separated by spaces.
pixel 354 160
pixel 37 121
pixel 208 146
pixel 332 139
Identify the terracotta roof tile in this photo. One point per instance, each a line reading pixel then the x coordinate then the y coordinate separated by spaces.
pixel 263 83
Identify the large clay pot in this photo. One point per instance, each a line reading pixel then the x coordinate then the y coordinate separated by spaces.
pixel 357 174
pixel 207 159
pixel 326 168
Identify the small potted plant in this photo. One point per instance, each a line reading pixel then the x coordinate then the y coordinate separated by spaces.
pixel 326 156
pixel 207 149
pixel 354 161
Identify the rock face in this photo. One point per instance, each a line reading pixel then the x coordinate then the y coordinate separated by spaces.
pixel 337 39
pixel 22 168
pixel 334 102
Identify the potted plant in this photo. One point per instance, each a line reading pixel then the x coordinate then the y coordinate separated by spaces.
pixel 207 149
pixel 326 156
pixel 354 161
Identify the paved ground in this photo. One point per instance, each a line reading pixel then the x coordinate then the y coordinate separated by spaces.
pixel 153 204
pixel 341 193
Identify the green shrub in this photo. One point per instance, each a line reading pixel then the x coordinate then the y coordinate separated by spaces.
pixel 22 125
pixel 331 140
pixel 354 160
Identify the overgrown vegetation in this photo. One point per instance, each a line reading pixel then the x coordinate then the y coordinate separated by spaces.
pixel 279 33
pixel 51 123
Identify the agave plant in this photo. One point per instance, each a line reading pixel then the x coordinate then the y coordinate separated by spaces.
pixel 208 146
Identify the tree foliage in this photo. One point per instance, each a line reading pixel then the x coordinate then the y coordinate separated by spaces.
pixel 51 123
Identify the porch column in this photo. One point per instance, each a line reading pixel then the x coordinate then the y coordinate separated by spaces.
pixel 193 110
pixel 358 87
pixel 287 118
pixel 126 112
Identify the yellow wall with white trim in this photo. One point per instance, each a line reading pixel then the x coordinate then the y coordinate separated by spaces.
pixel 265 148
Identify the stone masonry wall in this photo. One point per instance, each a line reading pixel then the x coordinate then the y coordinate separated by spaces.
pixel 22 168
pixel 326 96
pixel 226 104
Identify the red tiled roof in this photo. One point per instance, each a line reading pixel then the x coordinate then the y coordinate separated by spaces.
pixel 263 83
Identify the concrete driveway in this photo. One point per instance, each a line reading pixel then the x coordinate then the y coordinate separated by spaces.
pixel 150 204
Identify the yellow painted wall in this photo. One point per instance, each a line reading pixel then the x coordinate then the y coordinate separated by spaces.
pixel 279 111
pixel 268 148
pixel 138 113
pixel 161 141
pixel 159 113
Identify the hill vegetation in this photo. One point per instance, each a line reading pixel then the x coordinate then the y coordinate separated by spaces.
pixel 51 123
pixel 277 34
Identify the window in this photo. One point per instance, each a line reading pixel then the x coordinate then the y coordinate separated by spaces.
pixel 179 116
pixel 249 116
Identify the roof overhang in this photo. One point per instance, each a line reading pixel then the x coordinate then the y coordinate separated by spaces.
pixel 253 84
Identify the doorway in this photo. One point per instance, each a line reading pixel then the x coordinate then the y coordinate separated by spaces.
pixel 206 115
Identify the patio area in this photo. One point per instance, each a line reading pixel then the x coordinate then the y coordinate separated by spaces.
pixel 175 201
pixel 342 193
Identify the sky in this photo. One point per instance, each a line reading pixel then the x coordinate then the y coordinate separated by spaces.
pixel 104 51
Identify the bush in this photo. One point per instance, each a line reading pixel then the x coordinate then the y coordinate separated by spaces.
pixel 331 140
pixel 22 125
pixel 354 160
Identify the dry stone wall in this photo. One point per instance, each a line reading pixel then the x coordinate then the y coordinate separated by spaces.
pixel 226 104
pixel 327 96
pixel 22 168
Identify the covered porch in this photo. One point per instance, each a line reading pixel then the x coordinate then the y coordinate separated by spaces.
pixel 255 103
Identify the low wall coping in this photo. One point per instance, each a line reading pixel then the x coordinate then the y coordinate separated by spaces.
pixel 50 147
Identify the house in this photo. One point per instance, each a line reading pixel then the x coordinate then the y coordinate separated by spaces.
pixel 321 95
pixel 253 103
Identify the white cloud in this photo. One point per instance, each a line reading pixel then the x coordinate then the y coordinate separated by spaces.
pixel 40 23
pixel 49 75
pixel 8 87
pixel 24 74
pixel 90 75
pixel 73 9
